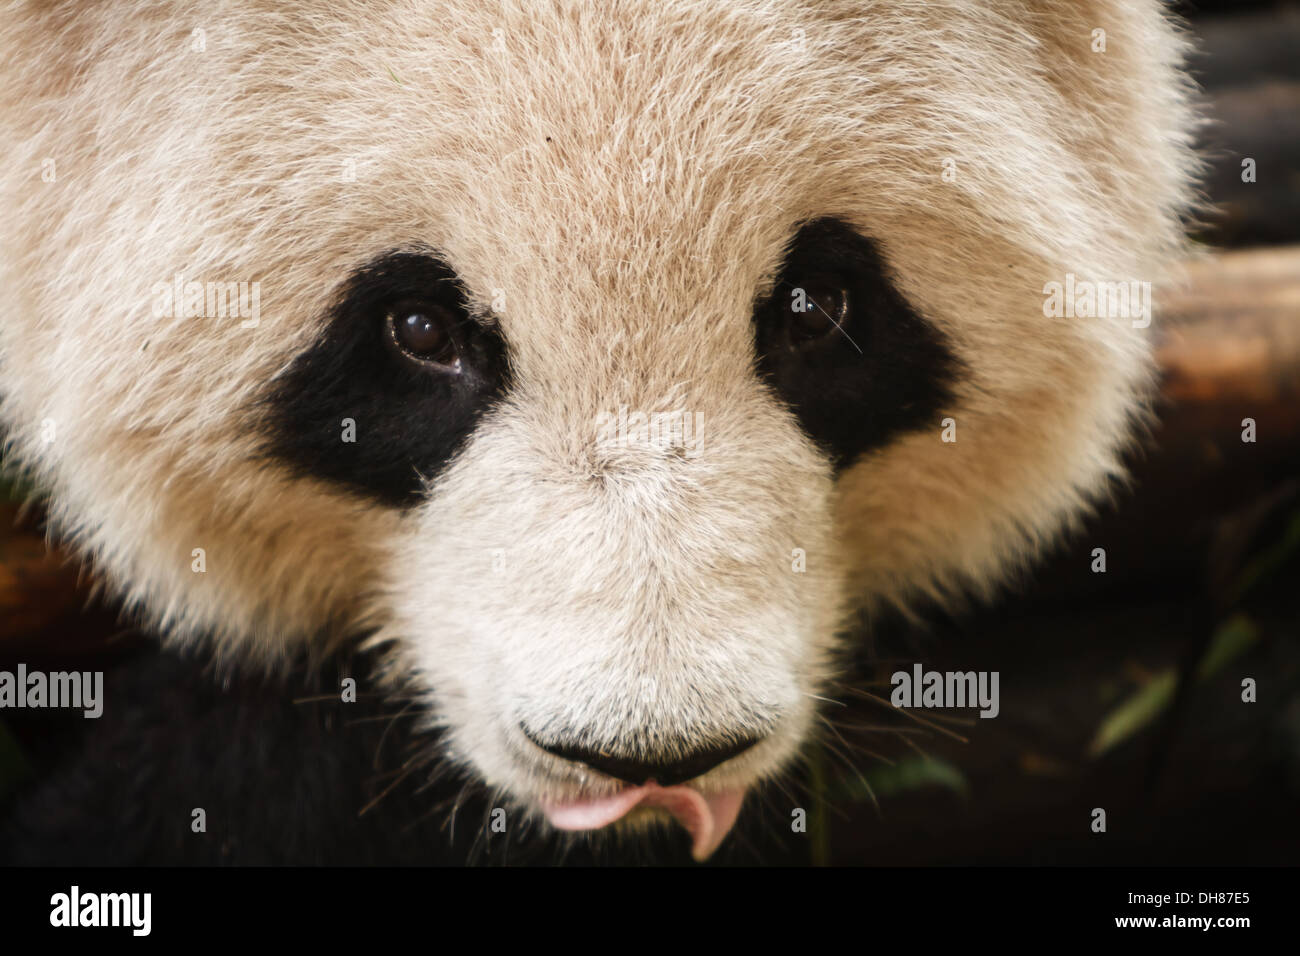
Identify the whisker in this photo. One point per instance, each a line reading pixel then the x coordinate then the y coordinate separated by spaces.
pixel 883 728
pixel 834 751
pixel 385 792
pixel 376 718
pixel 916 717
pixel 384 736
pixel 917 747
pixel 837 703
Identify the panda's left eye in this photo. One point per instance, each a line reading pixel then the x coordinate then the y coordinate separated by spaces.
pixel 423 333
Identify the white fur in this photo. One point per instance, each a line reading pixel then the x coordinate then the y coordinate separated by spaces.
pixel 643 593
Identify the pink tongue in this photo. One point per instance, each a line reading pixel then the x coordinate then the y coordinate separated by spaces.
pixel 706 817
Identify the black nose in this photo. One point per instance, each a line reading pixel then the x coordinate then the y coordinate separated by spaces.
pixel 665 771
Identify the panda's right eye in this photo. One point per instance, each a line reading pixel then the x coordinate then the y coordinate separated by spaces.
pixel 844 349
pixel 422 332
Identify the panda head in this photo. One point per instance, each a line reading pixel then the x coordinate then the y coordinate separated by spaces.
pixel 597 360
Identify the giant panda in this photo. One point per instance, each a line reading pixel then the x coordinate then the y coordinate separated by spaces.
pixel 585 369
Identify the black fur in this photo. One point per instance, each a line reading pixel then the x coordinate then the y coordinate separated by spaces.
pixel 280 774
pixel 852 401
pixel 287 773
pixel 410 421
pixel 283 769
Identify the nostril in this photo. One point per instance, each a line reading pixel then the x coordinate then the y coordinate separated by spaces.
pixel 662 769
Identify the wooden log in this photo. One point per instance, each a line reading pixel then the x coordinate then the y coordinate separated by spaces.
pixel 1231 334
pixel 1228 348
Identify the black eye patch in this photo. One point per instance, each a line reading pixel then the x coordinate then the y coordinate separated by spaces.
pixel 845 351
pixel 359 410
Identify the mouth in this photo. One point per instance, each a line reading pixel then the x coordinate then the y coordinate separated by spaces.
pixel 707 817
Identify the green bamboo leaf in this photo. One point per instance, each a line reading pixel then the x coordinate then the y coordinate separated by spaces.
pixel 911 773
pixel 1141 707
pixel 1232 639
pixel 1265 564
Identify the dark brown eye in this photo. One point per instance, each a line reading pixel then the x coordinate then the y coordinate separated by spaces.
pixel 423 334
pixel 817 309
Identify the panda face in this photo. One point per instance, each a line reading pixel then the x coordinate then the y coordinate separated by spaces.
pixel 593 603
pixel 609 356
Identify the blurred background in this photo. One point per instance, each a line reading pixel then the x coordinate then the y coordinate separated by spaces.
pixel 1120 690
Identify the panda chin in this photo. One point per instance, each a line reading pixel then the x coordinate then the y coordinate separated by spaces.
pixel 707 817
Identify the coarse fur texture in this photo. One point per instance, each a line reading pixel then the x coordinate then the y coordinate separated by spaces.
pixel 614 184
